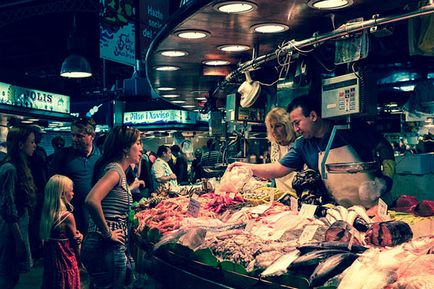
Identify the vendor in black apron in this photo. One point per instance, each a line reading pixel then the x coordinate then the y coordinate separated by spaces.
pixel 361 143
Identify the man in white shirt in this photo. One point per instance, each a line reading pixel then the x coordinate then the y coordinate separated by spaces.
pixel 161 172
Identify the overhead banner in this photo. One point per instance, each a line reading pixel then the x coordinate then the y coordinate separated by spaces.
pixel 160 117
pixel 32 98
pixel 153 14
pixel 117 31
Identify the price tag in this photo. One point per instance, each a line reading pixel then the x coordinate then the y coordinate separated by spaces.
pixel 307 211
pixel 193 207
pixel 294 204
pixel 382 209
pixel 308 233
pixel 232 195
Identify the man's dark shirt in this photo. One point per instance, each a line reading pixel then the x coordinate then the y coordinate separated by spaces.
pixel 79 168
pixel 181 169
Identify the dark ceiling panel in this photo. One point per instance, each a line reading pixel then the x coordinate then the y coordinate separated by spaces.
pixel 34 34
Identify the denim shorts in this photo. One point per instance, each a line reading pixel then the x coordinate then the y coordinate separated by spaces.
pixel 105 261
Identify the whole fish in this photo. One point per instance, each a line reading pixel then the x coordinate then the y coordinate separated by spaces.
pixel 313 258
pixel 331 245
pixel 331 267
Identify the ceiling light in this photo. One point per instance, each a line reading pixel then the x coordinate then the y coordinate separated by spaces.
pixel 174 53
pixel 329 4
pixel 75 66
pixel 233 48
pixel 192 34
pixel 165 88
pixel 235 7
pixel 171 95
pixel 167 68
pixel 188 106
pixel 178 101
pixel 216 62
pixel 406 88
pixel 201 98
pixel 27 121
pixel 392 104
pixel 270 27
pixel 249 91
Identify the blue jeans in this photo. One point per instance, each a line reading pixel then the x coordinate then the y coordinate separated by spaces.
pixel 105 261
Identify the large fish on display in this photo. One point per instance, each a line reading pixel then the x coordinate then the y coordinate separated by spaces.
pixel 331 267
pixel 305 248
pixel 314 258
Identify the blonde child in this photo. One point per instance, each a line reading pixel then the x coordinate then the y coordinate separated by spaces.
pixel 60 236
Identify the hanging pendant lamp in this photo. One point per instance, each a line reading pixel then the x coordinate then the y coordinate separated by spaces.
pixel 75 66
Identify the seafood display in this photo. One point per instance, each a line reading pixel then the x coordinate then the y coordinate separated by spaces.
pixel 347 248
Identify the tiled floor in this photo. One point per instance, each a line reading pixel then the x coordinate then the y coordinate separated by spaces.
pixel 33 279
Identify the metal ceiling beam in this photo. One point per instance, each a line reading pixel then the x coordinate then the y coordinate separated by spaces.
pixel 27 9
pixel 337 33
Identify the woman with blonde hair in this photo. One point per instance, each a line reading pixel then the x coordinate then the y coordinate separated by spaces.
pixel 281 136
pixel 60 236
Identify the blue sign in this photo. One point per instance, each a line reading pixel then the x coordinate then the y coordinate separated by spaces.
pixel 160 117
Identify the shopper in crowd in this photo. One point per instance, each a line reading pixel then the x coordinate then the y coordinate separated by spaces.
pixel 181 165
pixel 145 175
pixel 77 162
pixel 213 155
pixel 60 235
pixel 161 172
pixel 104 250
pixel 58 143
pixel 360 143
pixel 196 168
pixel 100 141
pixel 3 150
pixel 133 173
pixel 152 156
pixel 16 196
pixel 281 136
pixel 38 163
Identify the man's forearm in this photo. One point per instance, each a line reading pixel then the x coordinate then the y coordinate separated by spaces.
pixel 268 171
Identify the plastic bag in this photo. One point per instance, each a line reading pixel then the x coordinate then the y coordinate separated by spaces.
pixel 233 181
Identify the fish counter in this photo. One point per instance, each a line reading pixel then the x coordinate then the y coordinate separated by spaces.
pixel 247 239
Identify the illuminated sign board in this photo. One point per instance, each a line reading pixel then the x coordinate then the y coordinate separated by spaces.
pixel 160 117
pixel 117 41
pixel 153 15
pixel 32 98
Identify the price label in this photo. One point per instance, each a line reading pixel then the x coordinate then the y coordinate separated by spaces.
pixel 307 211
pixel 193 207
pixel 294 204
pixel 382 209
pixel 308 233
pixel 232 195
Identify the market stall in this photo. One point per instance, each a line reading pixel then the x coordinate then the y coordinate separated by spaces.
pixel 238 234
